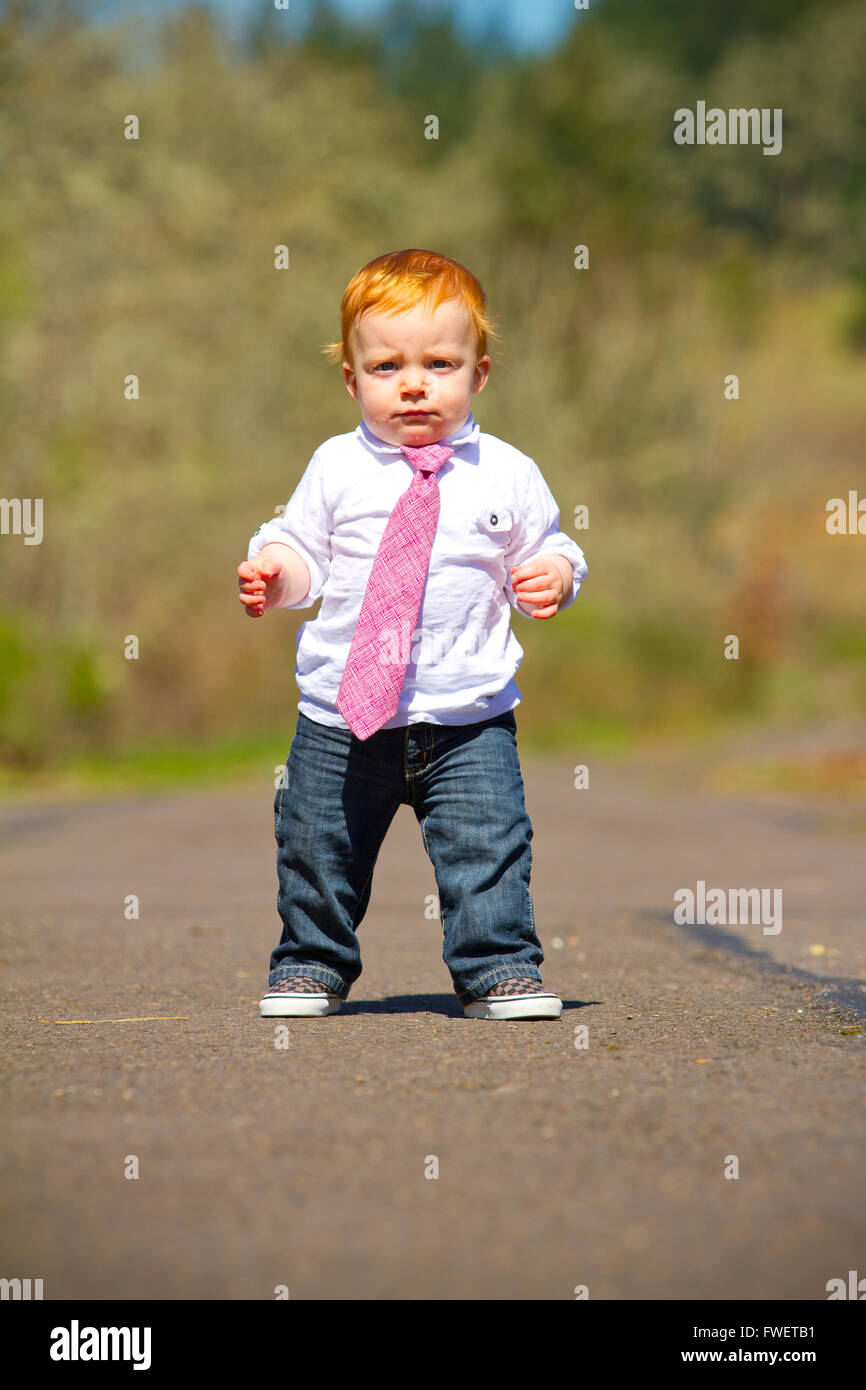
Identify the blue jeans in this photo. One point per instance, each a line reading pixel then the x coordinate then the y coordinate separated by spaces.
pixel 338 797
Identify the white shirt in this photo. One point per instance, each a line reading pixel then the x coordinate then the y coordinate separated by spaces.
pixel 495 511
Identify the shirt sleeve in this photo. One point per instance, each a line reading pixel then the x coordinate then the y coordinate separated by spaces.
pixel 536 532
pixel 306 526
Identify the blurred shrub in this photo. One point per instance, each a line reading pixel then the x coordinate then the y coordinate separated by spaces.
pixel 156 258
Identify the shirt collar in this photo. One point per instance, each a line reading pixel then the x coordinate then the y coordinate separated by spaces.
pixel 467 433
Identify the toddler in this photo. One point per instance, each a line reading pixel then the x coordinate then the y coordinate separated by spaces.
pixel 420 534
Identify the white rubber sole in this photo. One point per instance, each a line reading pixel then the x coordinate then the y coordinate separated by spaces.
pixel 299 1005
pixel 516 1006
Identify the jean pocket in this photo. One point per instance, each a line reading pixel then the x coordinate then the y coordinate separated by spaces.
pixel 278 799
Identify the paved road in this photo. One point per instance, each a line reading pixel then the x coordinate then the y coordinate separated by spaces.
pixel 602 1166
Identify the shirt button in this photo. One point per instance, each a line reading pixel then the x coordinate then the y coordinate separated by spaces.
pixel 493 518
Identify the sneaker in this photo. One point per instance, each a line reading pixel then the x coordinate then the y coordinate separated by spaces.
pixel 515 998
pixel 299 996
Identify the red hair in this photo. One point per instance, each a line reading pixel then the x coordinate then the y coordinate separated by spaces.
pixel 398 281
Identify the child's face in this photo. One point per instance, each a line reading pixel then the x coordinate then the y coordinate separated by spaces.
pixel 420 360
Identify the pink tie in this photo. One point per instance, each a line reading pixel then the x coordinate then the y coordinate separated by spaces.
pixel 370 689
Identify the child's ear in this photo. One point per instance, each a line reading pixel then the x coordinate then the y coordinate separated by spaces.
pixel 349 377
pixel 482 371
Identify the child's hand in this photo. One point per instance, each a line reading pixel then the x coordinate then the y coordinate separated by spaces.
pixel 540 585
pixel 262 582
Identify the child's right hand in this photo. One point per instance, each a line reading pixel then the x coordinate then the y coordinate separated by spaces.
pixel 263 582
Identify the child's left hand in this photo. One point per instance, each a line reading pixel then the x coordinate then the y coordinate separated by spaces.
pixel 539 584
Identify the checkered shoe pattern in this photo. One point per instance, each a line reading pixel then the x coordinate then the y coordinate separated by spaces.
pixel 299 984
pixel 507 989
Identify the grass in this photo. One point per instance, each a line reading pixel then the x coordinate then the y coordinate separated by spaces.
pixel 155 768
pixel 840 773
pixel 151 769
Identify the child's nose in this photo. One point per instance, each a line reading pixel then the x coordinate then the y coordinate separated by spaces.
pixel 414 379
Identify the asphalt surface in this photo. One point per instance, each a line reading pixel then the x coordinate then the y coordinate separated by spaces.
pixel 558 1166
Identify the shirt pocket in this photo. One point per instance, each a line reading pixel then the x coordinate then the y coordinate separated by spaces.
pixel 492 526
